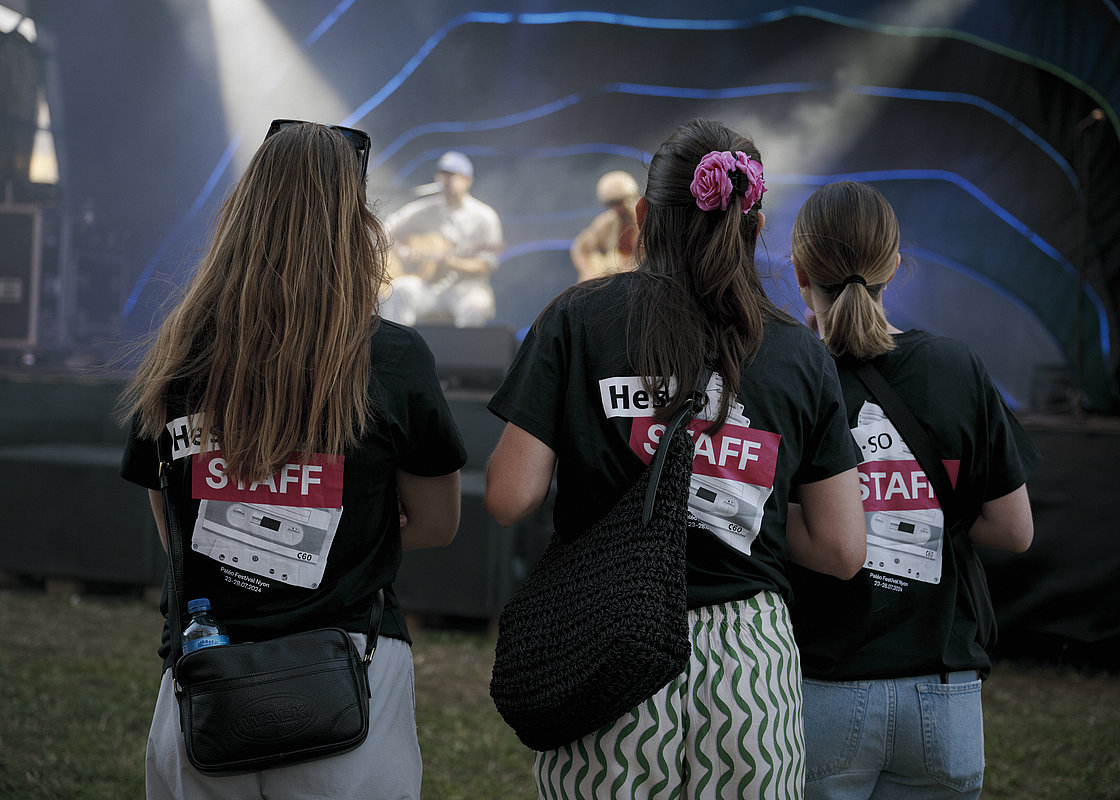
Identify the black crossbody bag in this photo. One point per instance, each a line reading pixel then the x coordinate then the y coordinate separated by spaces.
pixel 956 526
pixel 601 622
pixel 248 707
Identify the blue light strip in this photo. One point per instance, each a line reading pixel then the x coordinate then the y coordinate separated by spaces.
pixel 562 151
pixel 478 125
pixel 536 246
pixel 630 21
pixel 999 211
pixel 939 175
pixel 413 63
pixel 326 24
pixel 653 23
pixel 729 93
pixel 985 105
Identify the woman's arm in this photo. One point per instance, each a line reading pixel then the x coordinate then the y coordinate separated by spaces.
pixel 518 476
pixel 1005 523
pixel 156 500
pixel 826 532
pixel 430 507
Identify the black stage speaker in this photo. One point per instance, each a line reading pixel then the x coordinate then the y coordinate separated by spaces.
pixel 479 428
pixel 470 358
pixel 475 575
pixel 70 516
pixel 19 275
pixel 484 565
pixel 66 513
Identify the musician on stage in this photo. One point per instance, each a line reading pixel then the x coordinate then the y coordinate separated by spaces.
pixel 607 245
pixel 445 246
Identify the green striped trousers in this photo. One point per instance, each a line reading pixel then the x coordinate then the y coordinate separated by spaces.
pixel 728 727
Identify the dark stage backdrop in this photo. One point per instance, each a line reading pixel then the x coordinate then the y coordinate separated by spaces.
pixel 991 125
pixel 972 116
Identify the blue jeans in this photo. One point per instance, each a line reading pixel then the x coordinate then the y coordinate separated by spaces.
pixel 905 738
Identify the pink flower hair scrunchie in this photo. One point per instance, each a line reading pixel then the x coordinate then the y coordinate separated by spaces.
pixel 711 182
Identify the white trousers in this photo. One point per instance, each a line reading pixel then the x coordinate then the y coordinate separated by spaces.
pixel 729 726
pixel 385 767
pixel 469 303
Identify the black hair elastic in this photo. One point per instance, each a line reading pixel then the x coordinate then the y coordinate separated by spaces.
pixel 854 279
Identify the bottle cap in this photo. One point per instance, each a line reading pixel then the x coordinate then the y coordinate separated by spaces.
pixel 199 604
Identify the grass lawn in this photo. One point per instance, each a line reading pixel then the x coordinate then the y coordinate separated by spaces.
pixel 78 680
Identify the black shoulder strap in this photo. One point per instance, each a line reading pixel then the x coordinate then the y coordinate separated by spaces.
pixel 914 435
pixel 658 463
pixel 174 553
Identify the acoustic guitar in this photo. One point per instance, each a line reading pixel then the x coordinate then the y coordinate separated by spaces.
pixel 421 254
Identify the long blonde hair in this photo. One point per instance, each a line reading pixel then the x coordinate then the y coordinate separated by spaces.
pixel 271 338
pixel 849 229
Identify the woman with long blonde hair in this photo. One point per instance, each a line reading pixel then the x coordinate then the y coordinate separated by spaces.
pixel 309 441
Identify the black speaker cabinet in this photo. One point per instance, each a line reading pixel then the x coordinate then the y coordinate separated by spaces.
pixel 470 358
pixel 69 515
pixel 475 575
pixel 19 275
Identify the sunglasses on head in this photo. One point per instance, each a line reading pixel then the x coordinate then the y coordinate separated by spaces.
pixel 359 140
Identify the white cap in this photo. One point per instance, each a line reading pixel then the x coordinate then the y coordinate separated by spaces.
pixel 456 163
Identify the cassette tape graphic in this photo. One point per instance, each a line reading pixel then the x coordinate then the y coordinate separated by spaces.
pixel 730 509
pixel 905 543
pixel 899 527
pixel 282 543
pixel 877 436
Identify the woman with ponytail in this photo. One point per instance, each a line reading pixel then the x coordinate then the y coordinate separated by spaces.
pixel 894 657
pixel 588 394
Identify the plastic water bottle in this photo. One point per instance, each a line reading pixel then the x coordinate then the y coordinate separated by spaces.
pixel 203 630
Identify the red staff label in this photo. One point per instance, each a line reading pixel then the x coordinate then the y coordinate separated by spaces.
pixel 316 484
pixel 737 453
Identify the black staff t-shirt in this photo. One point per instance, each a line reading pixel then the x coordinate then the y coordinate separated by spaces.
pixel 310 546
pixel 911 609
pixel 572 386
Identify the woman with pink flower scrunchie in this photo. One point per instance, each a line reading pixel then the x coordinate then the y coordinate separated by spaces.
pixel 602 369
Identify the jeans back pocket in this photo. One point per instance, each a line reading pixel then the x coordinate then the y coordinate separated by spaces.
pixel 834 718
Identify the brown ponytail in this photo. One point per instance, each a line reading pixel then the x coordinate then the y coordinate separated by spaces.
pixel 700 297
pixel 845 240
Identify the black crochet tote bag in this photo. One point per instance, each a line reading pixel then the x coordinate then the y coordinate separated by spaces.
pixel 600 624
